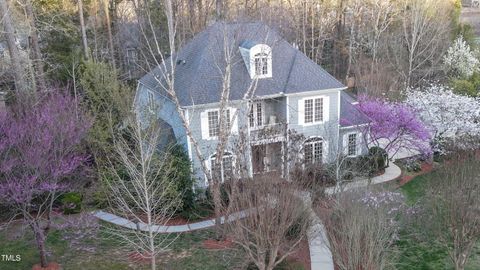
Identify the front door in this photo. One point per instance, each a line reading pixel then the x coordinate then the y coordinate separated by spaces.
pixel 258 158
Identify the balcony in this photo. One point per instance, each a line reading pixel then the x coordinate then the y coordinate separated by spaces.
pixel 271 132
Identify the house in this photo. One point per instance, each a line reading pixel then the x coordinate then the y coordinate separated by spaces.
pixel 291 93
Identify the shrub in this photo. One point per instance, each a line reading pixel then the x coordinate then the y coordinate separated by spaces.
pixel 311 176
pixel 412 165
pixel 183 181
pixel 71 203
pixel 224 191
pixel 379 158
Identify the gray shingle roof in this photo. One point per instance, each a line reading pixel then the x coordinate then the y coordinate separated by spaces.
pixel 349 114
pixel 198 80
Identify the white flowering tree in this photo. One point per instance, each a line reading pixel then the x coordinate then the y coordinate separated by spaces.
pixel 452 118
pixel 460 60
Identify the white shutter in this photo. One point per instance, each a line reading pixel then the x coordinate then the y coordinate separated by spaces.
pixel 234 120
pixel 326 109
pixel 345 144
pixel 325 151
pixel 204 125
pixel 301 111
pixel 359 143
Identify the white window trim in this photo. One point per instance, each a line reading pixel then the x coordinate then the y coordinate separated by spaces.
pixel 256 126
pixel 358 145
pixel 301 110
pixel 208 164
pixel 324 149
pixel 204 125
pixel 262 49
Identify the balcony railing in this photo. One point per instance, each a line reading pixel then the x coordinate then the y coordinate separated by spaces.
pixel 266 132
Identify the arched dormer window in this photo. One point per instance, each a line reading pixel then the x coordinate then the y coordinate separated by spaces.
pixel 314 150
pixel 257 58
pixel 261 64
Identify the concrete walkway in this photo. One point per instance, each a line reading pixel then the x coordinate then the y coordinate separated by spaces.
pixel 320 255
pixel 114 219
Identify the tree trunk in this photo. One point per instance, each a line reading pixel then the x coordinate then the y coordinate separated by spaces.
pixel 36 54
pixel 40 240
pixel 219 10
pixel 109 32
pixel 20 84
pixel 82 28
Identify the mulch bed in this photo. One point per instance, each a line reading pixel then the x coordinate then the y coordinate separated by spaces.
pixel 50 266
pixel 302 254
pixel 426 168
pixel 137 257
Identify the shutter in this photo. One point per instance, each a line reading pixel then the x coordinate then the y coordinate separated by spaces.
pixel 345 144
pixel 301 111
pixel 204 125
pixel 359 143
pixel 326 109
pixel 325 151
pixel 234 120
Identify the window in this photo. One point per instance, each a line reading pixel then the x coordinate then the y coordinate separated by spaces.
pixel 352 144
pixel 214 122
pixel 256 115
pixel 313 151
pixel 224 169
pixel 261 64
pixel 151 101
pixel 313 110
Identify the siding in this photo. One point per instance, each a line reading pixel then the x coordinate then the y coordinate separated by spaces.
pixel 328 130
pixel 165 110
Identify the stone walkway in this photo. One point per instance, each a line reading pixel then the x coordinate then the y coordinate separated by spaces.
pixel 320 256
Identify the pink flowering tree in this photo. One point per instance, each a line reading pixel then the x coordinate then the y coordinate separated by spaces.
pixel 41 157
pixel 394 127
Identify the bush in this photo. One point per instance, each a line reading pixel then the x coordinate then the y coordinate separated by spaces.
pixel 225 188
pixel 312 176
pixel 379 158
pixel 182 179
pixel 71 203
pixel 412 165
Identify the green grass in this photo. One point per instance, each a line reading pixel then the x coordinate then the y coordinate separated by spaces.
pixel 185 253
pixel 416 188
pixel 417 253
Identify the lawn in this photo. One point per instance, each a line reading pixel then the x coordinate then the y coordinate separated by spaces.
pixel 186 253
pixel 415 252
pixel 103 252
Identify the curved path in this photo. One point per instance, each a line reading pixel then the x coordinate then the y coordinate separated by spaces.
pixel 320 256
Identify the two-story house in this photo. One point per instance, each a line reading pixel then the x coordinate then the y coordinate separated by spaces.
pixel 288 92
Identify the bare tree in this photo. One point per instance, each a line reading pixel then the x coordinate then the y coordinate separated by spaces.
pixel 361 228
pixel 274 220
pixel 452 208
pixel 108 23
pixel 20 83
pixel 36 53
pixel 82 29
pixel 143 193
pixel 425 24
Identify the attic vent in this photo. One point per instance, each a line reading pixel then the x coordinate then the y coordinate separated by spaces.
pixel 181 62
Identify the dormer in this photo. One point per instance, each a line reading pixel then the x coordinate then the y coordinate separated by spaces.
pixel 257 58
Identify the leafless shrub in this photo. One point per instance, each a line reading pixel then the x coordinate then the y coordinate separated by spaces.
pixel 361 228
pixel 274 220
